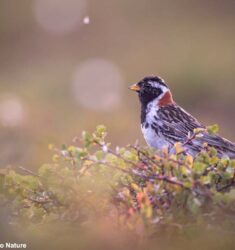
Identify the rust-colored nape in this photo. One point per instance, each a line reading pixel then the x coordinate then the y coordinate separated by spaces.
pixel 166 99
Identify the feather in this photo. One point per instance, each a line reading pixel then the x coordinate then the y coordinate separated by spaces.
pixel 176 124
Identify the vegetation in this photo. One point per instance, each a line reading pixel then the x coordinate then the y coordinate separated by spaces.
pixel 129 197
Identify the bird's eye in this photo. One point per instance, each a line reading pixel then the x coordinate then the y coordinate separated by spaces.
pixel 147 86
pixel 158 91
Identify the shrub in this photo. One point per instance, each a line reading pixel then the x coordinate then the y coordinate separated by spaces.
pixel 136 192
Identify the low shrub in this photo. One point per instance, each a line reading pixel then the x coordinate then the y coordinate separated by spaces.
pixel 130 196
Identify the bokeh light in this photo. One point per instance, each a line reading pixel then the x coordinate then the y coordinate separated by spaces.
pixel 97 85
pixel 86 20
pixel 12 112
pixel 58 16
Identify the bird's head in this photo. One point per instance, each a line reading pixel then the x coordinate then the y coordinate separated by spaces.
pixel 153 88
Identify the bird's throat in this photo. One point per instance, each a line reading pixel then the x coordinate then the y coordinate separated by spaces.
pixel 143 113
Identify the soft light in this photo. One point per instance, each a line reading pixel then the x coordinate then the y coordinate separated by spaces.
pixel 86 20
pixel 12 113
pixel 59 16
pixel 97 85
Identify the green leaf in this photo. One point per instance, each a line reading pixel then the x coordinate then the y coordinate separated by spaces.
pixel 199 167
pixel 213 129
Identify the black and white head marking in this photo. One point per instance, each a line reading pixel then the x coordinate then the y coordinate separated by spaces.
pixel 155 81
pixel 151 90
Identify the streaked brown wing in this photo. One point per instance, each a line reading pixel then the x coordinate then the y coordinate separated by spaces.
pixel 176 125
pixel 223 146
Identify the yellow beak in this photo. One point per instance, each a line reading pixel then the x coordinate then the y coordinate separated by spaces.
pixel 134 87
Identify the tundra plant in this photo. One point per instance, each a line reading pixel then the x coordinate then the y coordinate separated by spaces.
pixel 136 188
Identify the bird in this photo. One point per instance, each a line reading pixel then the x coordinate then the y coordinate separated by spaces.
pixel 164 123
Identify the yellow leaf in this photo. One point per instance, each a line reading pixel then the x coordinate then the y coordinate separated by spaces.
pixel 51 146
pixel 189 160
pixel 178 148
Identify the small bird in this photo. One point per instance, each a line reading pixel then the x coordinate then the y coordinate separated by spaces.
pixel 163 122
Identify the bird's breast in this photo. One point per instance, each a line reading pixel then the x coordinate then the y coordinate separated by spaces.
pixel 152 132
pixel 153 139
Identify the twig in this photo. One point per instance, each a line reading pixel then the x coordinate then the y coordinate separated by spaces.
pixel 228 185
pixel 29 171
pixel 170 180
pixel 114 153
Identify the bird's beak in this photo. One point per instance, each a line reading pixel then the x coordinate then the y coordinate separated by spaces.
pixel 134 87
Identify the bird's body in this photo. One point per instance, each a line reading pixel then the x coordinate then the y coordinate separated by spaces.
pixel 163 122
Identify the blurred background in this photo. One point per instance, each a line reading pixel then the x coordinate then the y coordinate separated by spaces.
pixel 65 67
